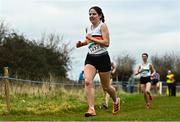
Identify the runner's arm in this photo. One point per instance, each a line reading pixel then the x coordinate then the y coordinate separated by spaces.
pixel 138 71
pixel 80 44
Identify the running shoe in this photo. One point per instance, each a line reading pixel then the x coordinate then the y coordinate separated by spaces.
pixel 90 112
pixel 105 105
pixel 148 105
pixel 116 106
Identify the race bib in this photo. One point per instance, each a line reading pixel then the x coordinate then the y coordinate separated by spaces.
pixel 93 48
pixel 145 72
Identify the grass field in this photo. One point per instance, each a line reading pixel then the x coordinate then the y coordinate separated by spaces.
pixel 71 105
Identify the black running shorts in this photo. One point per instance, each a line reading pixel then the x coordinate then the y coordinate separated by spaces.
pixel 101 62
pixel 144 80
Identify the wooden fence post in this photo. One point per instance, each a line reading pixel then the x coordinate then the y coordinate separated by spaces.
pixel 7 90
pixel 160 88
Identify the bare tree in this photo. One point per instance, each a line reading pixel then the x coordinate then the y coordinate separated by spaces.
pixel 125 66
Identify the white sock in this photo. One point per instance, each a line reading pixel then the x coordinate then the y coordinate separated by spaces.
pixel 92 107
pixel 116 101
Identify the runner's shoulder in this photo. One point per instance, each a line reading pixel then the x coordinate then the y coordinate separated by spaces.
pixel 103 26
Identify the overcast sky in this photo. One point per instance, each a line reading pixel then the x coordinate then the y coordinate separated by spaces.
pixel 135 26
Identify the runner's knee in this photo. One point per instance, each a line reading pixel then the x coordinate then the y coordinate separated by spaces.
pixel 88 82
pixel 108 88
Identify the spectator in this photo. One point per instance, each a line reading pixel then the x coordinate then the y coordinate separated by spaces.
pixel 81 77
pixel 131 83
pixel 171 83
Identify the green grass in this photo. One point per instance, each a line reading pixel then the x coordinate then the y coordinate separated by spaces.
pixel 71 105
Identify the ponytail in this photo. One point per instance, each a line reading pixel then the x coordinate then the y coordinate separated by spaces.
pixel 102 18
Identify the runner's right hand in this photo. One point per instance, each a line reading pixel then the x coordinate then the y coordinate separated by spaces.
pixel 79 44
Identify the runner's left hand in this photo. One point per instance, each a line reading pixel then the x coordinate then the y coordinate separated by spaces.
pixel 89 37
